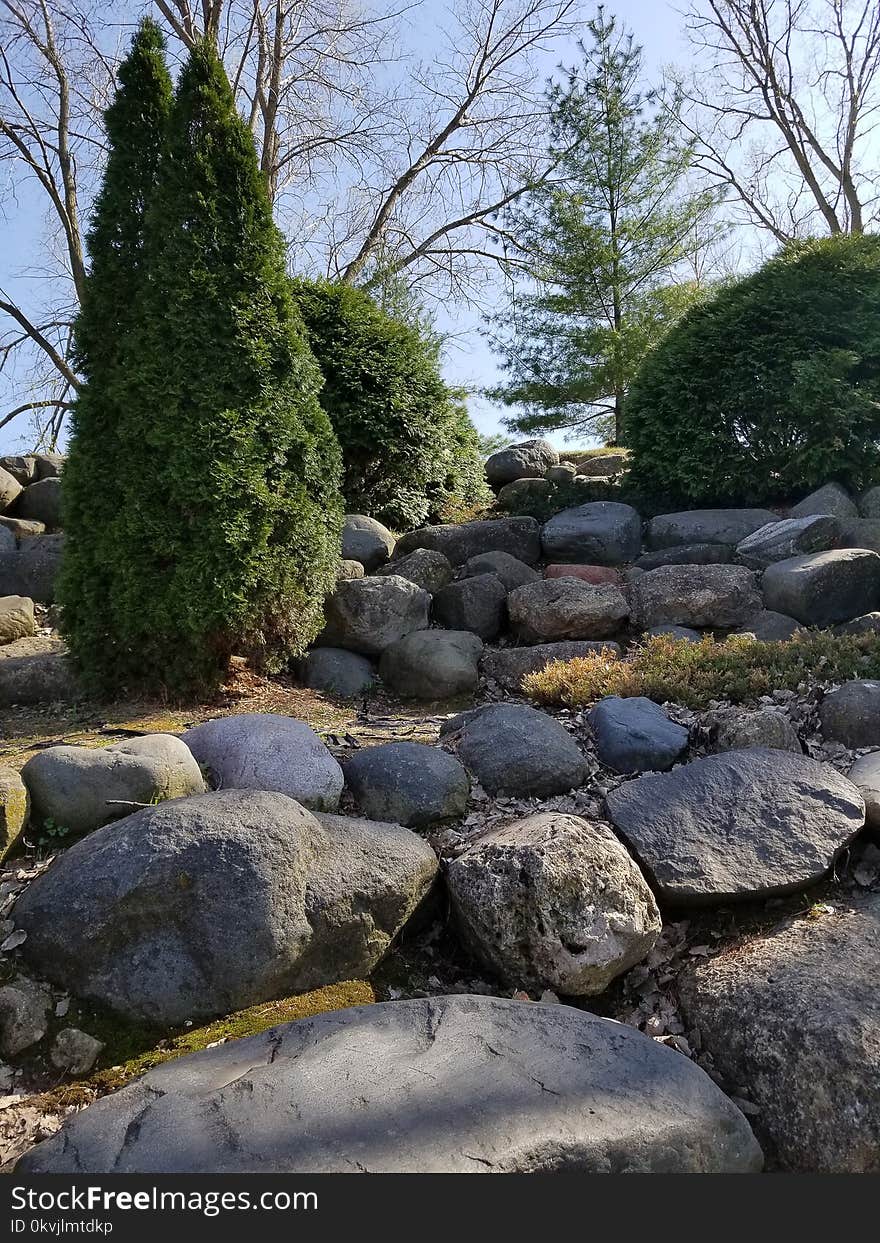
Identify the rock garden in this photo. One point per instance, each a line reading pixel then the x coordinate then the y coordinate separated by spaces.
pixel 539 813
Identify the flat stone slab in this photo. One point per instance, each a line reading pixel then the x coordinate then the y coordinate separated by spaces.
pixel 744 824
pixel 792 1018
pixel 436 1085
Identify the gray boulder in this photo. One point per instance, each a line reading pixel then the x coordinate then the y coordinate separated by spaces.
pixel 511 571
pixel 600 533
pixel 10 488
pixel 408 783
pixel 860 533
pixel 869 503
pixel 366 540
pixel 684 633
pixel 695 595
pixel 686 554
pixel 263 751
pixel 734 729
pixel 566 608
pixel 518 751
pixel 851 714
pixel 348 569
pixel 29 567
pixel 433 664
pixel 367 615
pixel 74 1051
pixel 24 1015
pixel 435 1085
pixel 22 468
pixel 335 671
pixel 601 465
pixel 706 526
pixel 635 735
pixel 865 774
pixel 745 824
pixel 211 904
pixel 553 901
pixel 790 538
pixel 15 809
pixel 832 499
pixel 21 527
pixel 35 670
pixel 523 494
pixel 770 627
pixel 16 618
pixel 460 541
pixel 868 623
pixel 824 587
pixel 49 465
pixel 509 665
pixel 426 568
pixel 791 1018
pixel 476 604
pixel 41 502
pixel 563 473
pixel 81 788
pixel 529 460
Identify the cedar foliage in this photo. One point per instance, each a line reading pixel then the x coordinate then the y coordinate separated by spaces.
pixel 770 389
pixel 227 535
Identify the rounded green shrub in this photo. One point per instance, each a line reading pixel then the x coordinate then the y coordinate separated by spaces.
pixel 409 451
pixel 771 388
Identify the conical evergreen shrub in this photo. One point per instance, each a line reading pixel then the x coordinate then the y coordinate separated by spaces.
pixel 135 124
pixel 228 534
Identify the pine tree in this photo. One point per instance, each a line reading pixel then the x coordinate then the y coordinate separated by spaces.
pixel 229 531
pixel 135 123
pixel 602 245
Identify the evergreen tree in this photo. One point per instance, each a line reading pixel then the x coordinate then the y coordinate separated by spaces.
pixel 602 245
pixel 229 531
pixel 135 123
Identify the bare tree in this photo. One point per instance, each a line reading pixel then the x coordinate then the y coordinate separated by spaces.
pixel 786 101
pixel 54 79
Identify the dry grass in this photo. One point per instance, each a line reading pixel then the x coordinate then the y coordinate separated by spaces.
pixel 694 674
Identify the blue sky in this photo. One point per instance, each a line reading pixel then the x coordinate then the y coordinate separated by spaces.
pixel 469 361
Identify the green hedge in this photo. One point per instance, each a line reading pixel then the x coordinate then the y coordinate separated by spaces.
pixel 770 389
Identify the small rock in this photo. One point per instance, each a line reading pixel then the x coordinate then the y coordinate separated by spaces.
pixel 24 1015
pixel 770 627
pixel 865 774
pixel 518 751
pixel 736 729
pixel 16 618
pixel 685 633
pixel 74 1051
pixel 366 540
pixel 408 783
pixel 587 573
pixel 851 714
pixel 635 735
pixel 336 671
pixel 426 568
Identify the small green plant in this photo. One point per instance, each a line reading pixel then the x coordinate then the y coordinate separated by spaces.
pixel 694 674
pixel 51 835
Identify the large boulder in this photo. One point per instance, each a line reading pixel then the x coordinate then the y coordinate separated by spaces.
pixel 706 526
pixel 861 533
pixel 511 571
pixel 686 554
pixel 721 596
pixel 35 670
pixel 553 901
pixel 10 488
pixel 868 504
pixel 601 533
pixel 523 494
pixel 520 537
pixel 509 665
pixel 832 499
pixel 515 750
pixel 22 468
pixel 49 465
pixel 770 627
pixel 778 541
pixel 635 735
pixel 851 714
pixel 433 664
pixel 865 775
pixel 206 905
pixel 566 608
pixel 16 618
pixel 30 566
pixel 408 783
pixel 791 1018
pixel 81 788
pixel 367 615
pixel 41 502
pixel 529 460
pixel 822 588
pixel 335 671
pixel 426 568
pixel 435 1085
pixel 14 810
pixel 478 604
pixel 734 729
pixel 366 540
pixel 745 824
pixel 264 751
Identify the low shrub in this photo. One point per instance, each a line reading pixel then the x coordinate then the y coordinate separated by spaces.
pixel 741 670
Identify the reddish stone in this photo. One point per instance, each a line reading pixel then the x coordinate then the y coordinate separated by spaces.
pixel 589 573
